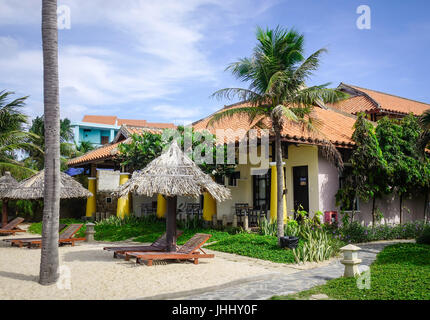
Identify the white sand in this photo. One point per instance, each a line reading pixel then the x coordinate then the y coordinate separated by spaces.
pixel 94 274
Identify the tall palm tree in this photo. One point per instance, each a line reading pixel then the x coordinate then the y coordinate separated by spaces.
pixel 276 73
pixel 67 149
pixel 49 262
pixel 13 138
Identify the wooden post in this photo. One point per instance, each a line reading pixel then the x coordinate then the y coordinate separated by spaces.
pixel 4 212
pixel 171 223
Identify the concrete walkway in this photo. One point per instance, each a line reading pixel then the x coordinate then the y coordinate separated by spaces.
pixel 266 286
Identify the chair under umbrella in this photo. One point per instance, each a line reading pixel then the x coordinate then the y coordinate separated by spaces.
pixel 33 188
pixel 173 174
pixel 6 183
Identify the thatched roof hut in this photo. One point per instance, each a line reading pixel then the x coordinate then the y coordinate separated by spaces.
pixel 33 188
pixel 6 183
pixel 173 174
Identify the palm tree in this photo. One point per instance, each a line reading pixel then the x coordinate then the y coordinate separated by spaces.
pixel 49 256
pixel 276 73
pixel 67 149
pixel 13 138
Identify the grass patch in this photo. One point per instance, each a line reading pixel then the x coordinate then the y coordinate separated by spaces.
pixel 36 227
pixel 255 246
pixel 400 272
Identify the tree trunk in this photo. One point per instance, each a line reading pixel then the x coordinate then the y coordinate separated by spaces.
pixel 426 199
pixel 373 212
pixel 401 210
pixel 171 224
pixel 280 185
pixel 4 212
pixel 49 262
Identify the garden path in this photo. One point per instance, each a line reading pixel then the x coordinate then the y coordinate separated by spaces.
pixel 267 286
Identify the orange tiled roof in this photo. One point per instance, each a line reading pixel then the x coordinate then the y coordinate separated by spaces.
pixel 110 120
pixel 381 102
pixel 354 105
pixel 101 153
pixel 131 122
pixel 114 120
pixel 332 125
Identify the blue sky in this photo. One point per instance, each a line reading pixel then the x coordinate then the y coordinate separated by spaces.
pixel 161 60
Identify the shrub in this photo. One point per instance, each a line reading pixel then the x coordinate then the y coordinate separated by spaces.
pixel 424 237
pixel 354 232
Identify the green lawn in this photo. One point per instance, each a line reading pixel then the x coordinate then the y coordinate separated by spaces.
pixel 141 230
pixel 400 272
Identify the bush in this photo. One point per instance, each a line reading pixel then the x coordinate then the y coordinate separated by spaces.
pixel 424 237
pixel 355 233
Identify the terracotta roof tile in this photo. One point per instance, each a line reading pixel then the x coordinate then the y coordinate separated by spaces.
pixel 110 120
pixel 394 103
pixel 332 125
pixel 353 105
pixel 131 122
pixel 103 152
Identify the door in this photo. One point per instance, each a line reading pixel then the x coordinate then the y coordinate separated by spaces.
pixel 301 187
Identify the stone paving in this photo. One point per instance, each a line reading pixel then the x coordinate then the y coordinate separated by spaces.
pixel 280 284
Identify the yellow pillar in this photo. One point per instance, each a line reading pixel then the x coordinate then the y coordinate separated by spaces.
pixel 123 204
pixel 161 206
pixel 274 194
pixel 209 206
pixel 91 201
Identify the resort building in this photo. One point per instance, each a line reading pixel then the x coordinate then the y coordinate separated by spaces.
pixel 101 130
pixel 311 181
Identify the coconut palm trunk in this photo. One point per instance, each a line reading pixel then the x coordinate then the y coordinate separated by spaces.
pixel 49 262
pixel 280 184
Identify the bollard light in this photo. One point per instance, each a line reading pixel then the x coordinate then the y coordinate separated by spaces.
pixel 350 260
pixel 89 233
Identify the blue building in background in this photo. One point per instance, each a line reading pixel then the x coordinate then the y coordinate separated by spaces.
pixel 101 130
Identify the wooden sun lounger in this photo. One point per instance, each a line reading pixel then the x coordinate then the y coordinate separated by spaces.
pixel 16 242
pixel 66 237
pixel 158 245
pixel 12 227
pixel 189 251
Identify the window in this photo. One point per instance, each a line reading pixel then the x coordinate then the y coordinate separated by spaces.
pixel 232 179
pixel 104 140
pixel 261 191
pixel 108 200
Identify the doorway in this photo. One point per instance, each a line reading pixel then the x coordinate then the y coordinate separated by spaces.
pixel 301 188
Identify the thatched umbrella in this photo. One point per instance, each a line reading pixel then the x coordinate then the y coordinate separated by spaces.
pixel 6 183
pixel 33 188
pixel 173 174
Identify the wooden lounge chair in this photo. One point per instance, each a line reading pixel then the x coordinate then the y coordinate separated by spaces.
pixel 66 237
pixel 158 245
pixel 12 227
pixel 189 251
pixel 16 242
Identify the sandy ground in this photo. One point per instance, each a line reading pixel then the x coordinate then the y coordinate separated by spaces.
pixel 89 272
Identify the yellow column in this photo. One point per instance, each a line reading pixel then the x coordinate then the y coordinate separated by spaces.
pixel 209 206
pixel 161 206
pixel 123 204
pixel 274 194
pixel 91 201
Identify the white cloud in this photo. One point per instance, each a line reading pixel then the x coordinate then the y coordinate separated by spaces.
pixel 164 51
